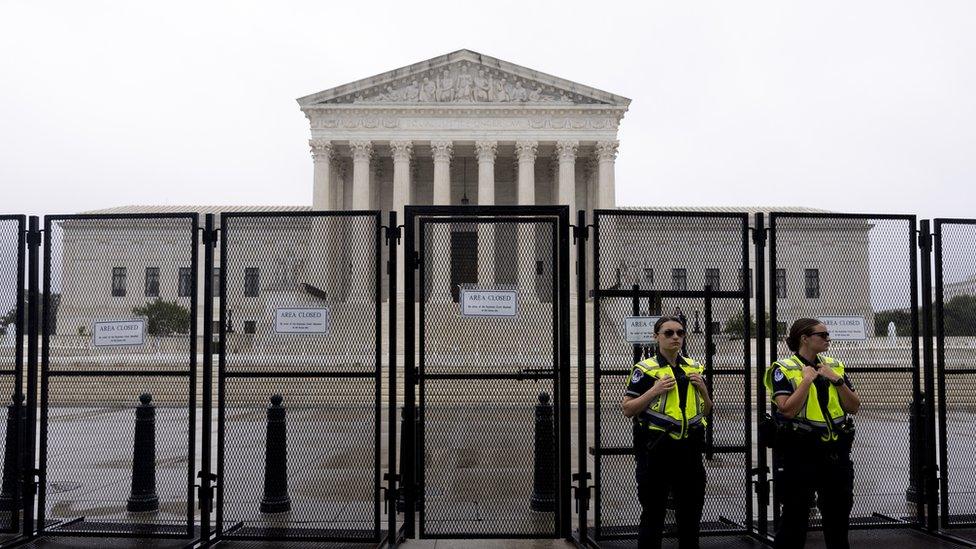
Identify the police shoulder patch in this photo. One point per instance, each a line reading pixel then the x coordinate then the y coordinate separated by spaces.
pixel 778 374
pixel 638 374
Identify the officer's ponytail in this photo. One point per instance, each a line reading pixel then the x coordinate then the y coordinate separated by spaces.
pixel 802 327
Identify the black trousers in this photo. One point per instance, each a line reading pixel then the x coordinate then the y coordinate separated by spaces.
pixel 667 466
pixel 805 467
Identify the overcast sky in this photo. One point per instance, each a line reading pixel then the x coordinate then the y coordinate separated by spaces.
pixel 852 106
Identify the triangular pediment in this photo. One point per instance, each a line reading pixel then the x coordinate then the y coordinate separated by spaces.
pixel 460 78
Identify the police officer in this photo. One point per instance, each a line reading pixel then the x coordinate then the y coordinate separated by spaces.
pixel 812 398
pixel 668 400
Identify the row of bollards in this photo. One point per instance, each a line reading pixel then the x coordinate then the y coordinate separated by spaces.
pixel 275 499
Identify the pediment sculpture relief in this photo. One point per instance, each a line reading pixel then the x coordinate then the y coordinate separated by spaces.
pixel 464 83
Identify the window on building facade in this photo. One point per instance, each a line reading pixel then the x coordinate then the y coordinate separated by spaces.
pixel 714 279
pixel 250 326
pixel 745 282
pixel 251 282
pixel 152 281
pixel 781 283
pixel 185 282
pixel 118 282
pixel 216 282
pixel 649 277
pixel 679 279
pixel 811 284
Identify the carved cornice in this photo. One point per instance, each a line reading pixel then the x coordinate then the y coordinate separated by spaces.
pixel 442 150
pixel 402 150
pixel 321 150
pixel 486 150
pixel 566 150
pixel 606 151
pixel 361 150
pixel 526 150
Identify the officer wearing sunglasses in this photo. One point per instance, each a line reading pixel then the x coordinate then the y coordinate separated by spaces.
pixel 668 400
pixel 812 399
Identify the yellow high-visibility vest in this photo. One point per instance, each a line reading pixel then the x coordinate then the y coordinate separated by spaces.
pixel 665 413
pixel 810 416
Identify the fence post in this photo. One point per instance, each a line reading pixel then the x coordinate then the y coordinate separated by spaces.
pixel 276 498
pixel 143 498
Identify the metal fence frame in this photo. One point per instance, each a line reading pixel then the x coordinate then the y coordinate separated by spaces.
pixel 414 218
pixel 946 517
pixel 582 476
pixel 17 520
pixel 912 245
pixel 383 234
pixel 45 375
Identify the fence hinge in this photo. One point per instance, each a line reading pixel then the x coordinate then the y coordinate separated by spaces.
pixel 209 237
pixel 759 237
pixel 415 261
pixel 924 240
pixel 34 237
pixel 580 232
pixel 205 490
pixel 581 492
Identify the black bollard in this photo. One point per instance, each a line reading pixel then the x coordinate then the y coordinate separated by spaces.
pixel 143 498
pixel 544 484
pixel 275 498
pixel 10 493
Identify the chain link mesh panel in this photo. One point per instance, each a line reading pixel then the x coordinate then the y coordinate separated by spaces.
pixel 118 326
pixel 12 329
pixel 663 252
pixel 956 334
pixel 482 377
pixel 860 271
pixel 300 320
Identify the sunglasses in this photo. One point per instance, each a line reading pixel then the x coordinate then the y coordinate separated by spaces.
pixel 824 335
pixel 672 333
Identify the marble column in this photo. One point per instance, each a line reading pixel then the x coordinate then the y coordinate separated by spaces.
pixel 486 197
pixel 441 151
pixel 402 152
pixel 362 151
pixel 322 188
pixel 360 253
pixel 526 152
pixel 606 152
pixel 339 183
pixel 566 152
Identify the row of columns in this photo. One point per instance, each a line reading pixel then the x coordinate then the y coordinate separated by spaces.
pixel 325 174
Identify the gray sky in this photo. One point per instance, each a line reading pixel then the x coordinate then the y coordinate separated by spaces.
pixel 851 106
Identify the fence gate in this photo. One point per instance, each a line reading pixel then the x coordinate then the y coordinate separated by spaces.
pixel 646 264
pixel 13 308
pixel 300 376
pixel 955 328
pixel 486 351
pixel 858 274
pixel 118 376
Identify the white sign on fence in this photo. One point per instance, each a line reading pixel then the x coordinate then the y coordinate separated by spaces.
pixel 845 328
pixel 640 329
pixel 489 303
pixel 119 333
pixel 302 321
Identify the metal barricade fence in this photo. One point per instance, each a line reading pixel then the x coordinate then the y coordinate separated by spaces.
pixel 955 329
pixel 858 275
pixel 118 376
pixel 13 316
pixel 486 347
pixel 300 377
pixel 647 264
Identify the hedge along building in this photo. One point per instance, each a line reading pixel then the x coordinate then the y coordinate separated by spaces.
pixel 459 129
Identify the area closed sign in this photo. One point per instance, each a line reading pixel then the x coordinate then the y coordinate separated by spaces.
pixel 845 328
pixel 489 303
pixel 302 321
pixel 119 333
pixel 639 329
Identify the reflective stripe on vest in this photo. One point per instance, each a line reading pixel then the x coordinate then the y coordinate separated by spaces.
pixel 810 414
pixel 664 412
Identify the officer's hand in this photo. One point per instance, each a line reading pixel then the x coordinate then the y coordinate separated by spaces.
pixel 662 385
pixel 698 381
pixel 809 373
pixel 827 373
